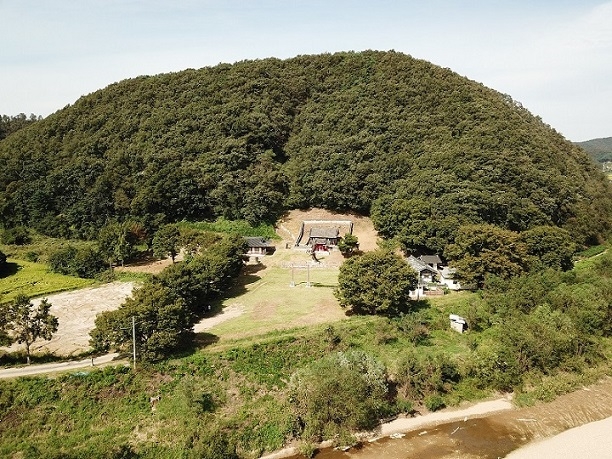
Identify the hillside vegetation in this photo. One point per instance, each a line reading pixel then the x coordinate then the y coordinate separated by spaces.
pixel 375 132
pixel 599 149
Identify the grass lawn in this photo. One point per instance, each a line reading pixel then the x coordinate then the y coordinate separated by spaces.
pixel 35 279
pixel 269 302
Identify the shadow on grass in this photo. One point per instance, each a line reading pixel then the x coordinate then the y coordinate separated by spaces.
pixel 247 277
pixel 411 307
pixel 204 339
pixel 196 344
pixel 319 284
pixel 9 269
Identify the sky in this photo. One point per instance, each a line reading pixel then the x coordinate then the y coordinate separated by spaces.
pixel 553 56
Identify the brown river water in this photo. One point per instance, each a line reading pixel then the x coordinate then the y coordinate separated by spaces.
pixel 493 436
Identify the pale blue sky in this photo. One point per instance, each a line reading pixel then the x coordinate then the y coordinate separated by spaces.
pixel 555 57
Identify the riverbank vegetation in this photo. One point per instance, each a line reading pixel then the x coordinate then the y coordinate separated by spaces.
pixel 240 398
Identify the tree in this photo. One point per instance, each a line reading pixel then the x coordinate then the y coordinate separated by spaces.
pixel 481 250
pixel 116 241
pixel 166 242
pixel 549 247
pixel 19 235
pixel 163 324
pixel 26 322
pixel 348 245
pixel 340 392
pixel 376 282
pixel 84 262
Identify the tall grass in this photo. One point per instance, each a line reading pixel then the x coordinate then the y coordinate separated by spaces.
pixel 35 279
pixel 240 227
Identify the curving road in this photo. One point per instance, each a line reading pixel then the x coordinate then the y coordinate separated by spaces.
pixel 45 368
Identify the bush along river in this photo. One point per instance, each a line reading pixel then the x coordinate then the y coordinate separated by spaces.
pixel 493 436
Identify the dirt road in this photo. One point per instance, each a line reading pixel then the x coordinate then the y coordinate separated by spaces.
pixel 46 368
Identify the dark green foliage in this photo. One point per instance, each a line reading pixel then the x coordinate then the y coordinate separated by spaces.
pixel 84 262
pixel 348 245
pixel 548 247
pixel 2 262
pixel 421 147
pixel 163 324
pixel 116 241
pixel 10 124
pixel 166 242
pixel 167 306
pixel 19 235
pixel 344 391
pixel 418 377
pixel 482 250
pixel 26 322
pixel 376 282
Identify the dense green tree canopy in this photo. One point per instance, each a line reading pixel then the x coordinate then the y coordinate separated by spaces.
pixel 376 282
pixel 26 322
pixel 420 147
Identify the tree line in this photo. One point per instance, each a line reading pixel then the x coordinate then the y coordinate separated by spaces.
pixel 168 305
pixel 422 149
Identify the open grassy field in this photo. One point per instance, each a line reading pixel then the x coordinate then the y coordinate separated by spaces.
pixel 269 303
pixel 35 279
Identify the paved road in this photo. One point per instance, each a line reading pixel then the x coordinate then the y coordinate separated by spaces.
pixel 45 368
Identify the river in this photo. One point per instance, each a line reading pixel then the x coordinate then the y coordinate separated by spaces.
pixel 493 436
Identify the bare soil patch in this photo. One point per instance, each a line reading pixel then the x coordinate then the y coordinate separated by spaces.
pixel 149 265
pixel 288 227
pixel 76 312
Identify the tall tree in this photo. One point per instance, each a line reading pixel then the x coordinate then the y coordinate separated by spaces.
pixel 376 282
pixel 166 242
pixel 485 249
pixel 26 322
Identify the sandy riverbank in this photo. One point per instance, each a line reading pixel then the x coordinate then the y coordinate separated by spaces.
pixel 412 423
pixel 589 441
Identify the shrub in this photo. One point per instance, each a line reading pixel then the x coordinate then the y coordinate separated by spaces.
pixel 376 282
pixel 434 402
pixel 418 377
pixel 19 235
pixel 342 392
pixel 84 262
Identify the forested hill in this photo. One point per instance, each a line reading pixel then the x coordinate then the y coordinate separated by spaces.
pixel 599 149
pixel 422 148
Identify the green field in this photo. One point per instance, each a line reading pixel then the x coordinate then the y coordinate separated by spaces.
pixel 269 302
pixel 35 279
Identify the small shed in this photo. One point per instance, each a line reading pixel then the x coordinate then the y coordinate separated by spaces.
pixel 258 246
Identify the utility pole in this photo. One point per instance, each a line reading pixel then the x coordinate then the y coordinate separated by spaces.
pixel 134 339
pixel 292 284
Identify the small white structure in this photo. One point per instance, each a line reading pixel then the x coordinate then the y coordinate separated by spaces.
pixel 447 278
pixel 457 323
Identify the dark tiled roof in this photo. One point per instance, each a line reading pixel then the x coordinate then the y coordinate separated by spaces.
pixel 418 265
pixel 327 233
pixel 430 259
pixel 253 242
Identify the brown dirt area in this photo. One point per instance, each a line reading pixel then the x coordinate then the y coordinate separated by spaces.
pixel 76 312
pixel 288 227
